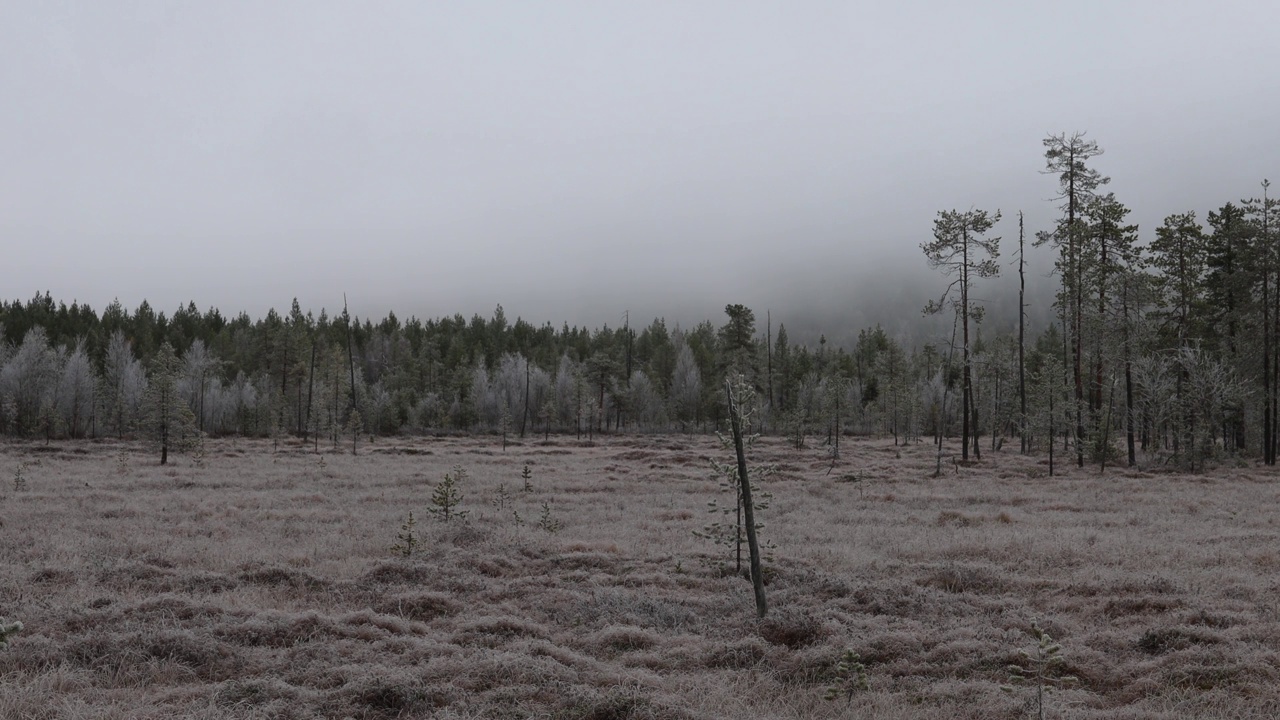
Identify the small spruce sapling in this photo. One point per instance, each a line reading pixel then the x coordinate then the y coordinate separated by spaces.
pixel 547 522
pixel 851 677
pixel 198 454
pixel 503 497
pixel 526 475
pixel 7 631
pixel 1041 668
pixel 407 541
pixel 19 477
pixel 447 496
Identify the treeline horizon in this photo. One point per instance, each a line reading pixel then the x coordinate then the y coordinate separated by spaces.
pixel 1164 352
pixel 272 354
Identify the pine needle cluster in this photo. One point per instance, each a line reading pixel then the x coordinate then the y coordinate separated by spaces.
pixel 502 498
pixel 851 677
pixel 1041 668
pixel 448 496
pixel 7 631
pixel 547 522
pixel 407 541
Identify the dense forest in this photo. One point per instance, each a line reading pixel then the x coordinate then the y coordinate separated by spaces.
pixel 1163 351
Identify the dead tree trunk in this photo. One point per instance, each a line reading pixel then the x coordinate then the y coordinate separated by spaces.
pixel 753 543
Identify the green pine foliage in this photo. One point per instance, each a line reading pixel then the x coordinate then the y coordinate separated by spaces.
pixel 406 539
pixel 7 631
pixel 447 496
pixel 502 497
pixel 547 521
pixel 1041 668
pixel 167 423
pixel 850 678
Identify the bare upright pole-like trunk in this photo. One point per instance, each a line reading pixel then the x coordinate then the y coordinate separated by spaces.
pixel 964 320
pixel 351 354
pixel 1268 449
pixel 524 416
pixel 1270 363
pixel 1052 392
pixel 753 543
pixel 1128 379
pixel 1022 340
pixel 351 364
pixel 311 389
pixel 768 353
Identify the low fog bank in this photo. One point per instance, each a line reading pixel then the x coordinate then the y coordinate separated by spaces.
pixel 837 301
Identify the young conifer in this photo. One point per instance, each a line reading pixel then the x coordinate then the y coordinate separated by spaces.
pixel 447 496
pixel 407 541
pixel 167 422
pixel 851 677
pixel 1041 668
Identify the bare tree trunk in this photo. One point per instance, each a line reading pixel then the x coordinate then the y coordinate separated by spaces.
pixel 1052 392
pixel 1128 380
pixel 351 364
pixel 351 355
pixel 753 543
pixel 768 353
pixel 1022 341
pixel 311 390
pixel 964 311
pixel 524 415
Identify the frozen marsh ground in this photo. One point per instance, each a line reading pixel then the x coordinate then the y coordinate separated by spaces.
pixel 263 585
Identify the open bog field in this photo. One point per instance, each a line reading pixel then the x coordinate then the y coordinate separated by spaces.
pixel 263 584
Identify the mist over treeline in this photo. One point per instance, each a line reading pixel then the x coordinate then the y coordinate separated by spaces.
pixel 1169 348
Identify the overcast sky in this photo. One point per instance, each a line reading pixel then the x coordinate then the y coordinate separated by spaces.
pixel 572 160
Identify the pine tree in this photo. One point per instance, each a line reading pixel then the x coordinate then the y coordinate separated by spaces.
pixel 448 496
pixel 1110 252
pixel 1227 301
pixel 1066 157
pixel 166 420
pixel 1264 218
pixel 956 249
pixel 1178 253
